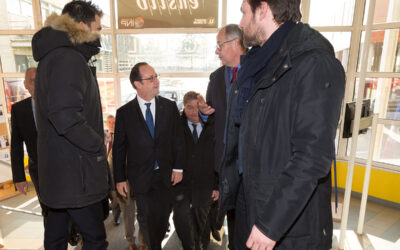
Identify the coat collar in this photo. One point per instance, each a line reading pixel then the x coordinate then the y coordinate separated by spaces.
pixel 76 33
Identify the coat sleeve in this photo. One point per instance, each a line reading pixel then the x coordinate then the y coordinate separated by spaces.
pixel 316 108
pixel 69 82
pixel 119 149
pixel 17 150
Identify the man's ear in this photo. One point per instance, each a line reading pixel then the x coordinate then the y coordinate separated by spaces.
pixel 263 9
pixel 137 84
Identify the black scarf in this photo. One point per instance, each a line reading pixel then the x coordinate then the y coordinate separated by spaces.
pixel 254 63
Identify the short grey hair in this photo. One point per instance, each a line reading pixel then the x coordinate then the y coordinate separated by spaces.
pixel 232 31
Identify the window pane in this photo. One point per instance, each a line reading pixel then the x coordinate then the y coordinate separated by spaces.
pixel 15 91
pixel 168 52
pixel 16 14
pixel 384 94
pixel 390 145
pixel 16 53
pixel 233 14
pixel 103 60
pixel 331 13
pixel 171 88
pixel 386 11
pixel 107 94
pixel 384 51
pixel 341 43
pixel 51 6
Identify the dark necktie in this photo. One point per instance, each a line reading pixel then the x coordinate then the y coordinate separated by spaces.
pixel 110 144
pixel 234 71
pixel 195 135
pixel 149 119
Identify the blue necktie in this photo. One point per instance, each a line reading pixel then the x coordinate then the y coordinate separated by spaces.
pixel 150 125
pixel 149 119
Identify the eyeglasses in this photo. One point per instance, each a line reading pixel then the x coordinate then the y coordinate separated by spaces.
pixel 219 45
pixel 151 78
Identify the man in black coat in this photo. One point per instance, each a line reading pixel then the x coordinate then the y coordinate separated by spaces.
pixel 281 124
pixel 230 47
pixel 148 152
pixel 73 172
pixel 200 175
pixel 23 130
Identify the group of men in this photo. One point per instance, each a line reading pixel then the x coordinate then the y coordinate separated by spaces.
pixel 267 127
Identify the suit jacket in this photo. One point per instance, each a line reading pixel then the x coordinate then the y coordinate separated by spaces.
pixel 216 98
pixel 23 129
pixel 200 175
pixel 135 151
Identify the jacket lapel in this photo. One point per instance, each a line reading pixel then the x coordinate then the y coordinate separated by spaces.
pixel 138 112
pixel 159 110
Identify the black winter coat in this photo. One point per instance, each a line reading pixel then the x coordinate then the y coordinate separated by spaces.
pixel 287 137
pixel 199 175
pixel 73 170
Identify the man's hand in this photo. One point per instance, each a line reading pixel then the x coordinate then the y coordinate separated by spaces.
pixel 22 187
pixel 122 188
pixel 204 108
pixel 257 240
pixel 215 195
pixel 176 177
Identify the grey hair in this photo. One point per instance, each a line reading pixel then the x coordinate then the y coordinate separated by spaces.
pixel 232 31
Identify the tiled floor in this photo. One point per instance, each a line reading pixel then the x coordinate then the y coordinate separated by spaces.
pixel 24 229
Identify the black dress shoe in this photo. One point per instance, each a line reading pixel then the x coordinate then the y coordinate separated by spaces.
pixel 216 235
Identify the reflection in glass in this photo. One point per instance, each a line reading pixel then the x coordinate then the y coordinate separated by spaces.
pixel 341 44
pixel 171 88
pixel 107 95
pixel 384 51
pixel 15 91
pixel 386 11
pixel 16 14
pixel 103 60
pixel 16 53
pixel 50 6
pixel 390 145
pixel 384 94
pixel 331 13
pixel 168 52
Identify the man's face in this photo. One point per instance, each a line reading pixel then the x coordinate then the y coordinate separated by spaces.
pixel 226 49
pixel 248 25
pixel 96 24
pixel 110 124
pixel 191 111
pixel 149 86
pixel 29 81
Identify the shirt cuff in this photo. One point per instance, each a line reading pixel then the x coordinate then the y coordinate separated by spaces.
pixel 203 117
pixel 177 170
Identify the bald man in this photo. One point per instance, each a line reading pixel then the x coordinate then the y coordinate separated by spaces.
pixel 23 130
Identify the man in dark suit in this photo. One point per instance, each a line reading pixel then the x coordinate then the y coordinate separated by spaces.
pixel 23 129
pixel 200 175
pixel 230 47
pixel 147 151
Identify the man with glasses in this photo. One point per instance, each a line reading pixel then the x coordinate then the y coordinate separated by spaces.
pixel 147 152
pixel 230 47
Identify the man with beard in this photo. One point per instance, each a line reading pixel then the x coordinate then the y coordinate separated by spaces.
pixel 281 123
pixel 73 172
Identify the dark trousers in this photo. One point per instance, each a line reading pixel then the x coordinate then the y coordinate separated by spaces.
pixel 35 180
pixel 200 219
pixel 153 210
pixel 216 221
pixel 89 221
pixel 242 228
